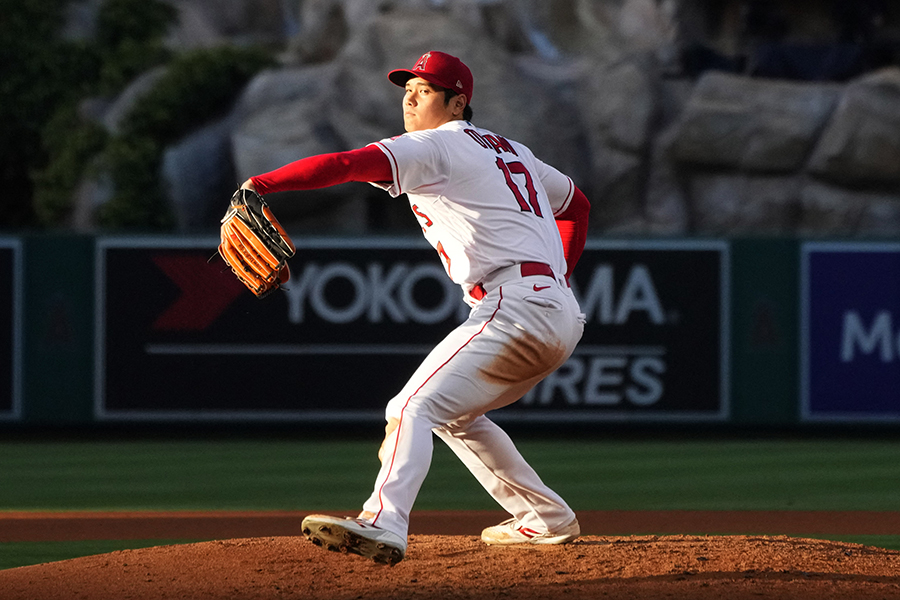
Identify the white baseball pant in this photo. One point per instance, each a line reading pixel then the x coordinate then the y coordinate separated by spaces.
pixel 523 329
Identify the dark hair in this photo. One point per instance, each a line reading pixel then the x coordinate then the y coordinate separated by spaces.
pixel 449 94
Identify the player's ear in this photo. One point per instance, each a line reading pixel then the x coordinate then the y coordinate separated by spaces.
pixel 460 102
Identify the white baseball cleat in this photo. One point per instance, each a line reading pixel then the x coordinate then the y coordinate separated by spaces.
pixel 356 536
pixel 510 532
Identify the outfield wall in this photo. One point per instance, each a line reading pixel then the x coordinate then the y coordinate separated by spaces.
pixel 144 329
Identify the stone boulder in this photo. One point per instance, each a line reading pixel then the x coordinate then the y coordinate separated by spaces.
pixel 861 144
pixel 839 211
pixel 619 104
pixel 741 204
pixel 283 116
pixel 208 23
pixel 750 156
pixel 754 125
pixel 198 176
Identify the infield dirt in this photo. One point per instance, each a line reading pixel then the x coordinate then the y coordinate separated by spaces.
pixel 460 566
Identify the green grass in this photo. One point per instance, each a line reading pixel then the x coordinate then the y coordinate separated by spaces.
pixel 21 554
pixel 836 474
pixel 891 542
pixel 184 475
pixel 257 474
pixel 723 475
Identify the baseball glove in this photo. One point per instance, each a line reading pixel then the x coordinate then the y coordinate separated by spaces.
pixel 254 244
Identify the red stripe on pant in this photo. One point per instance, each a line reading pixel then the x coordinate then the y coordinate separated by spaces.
pixel 403 410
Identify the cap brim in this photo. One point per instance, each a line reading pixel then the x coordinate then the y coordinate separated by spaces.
pixel 401 76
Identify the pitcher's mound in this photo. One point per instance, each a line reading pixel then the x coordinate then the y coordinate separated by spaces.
pixel 461 567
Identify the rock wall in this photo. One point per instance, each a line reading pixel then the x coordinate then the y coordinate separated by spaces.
pixel 760 156
pixel 593 87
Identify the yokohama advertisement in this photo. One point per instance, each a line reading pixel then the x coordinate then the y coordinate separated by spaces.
pixel 178 337
pixel 10 328
pixel 655 345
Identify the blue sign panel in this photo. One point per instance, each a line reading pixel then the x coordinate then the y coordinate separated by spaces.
pixel 10 328
pixel 851 332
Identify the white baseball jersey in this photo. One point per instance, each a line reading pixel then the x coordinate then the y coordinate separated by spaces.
pixel 458 174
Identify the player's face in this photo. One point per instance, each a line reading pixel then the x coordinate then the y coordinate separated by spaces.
pixel 423 106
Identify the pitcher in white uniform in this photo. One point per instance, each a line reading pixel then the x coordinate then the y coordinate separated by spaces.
pixel 509 230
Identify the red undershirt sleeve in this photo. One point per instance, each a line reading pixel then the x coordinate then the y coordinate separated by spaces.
pixel 324 170
pixel 572 224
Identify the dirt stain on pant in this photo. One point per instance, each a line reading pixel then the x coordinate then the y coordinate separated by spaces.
pixel 391 427
pixel 524 358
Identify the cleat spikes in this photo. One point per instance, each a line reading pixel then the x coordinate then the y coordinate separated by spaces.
pixel 353 536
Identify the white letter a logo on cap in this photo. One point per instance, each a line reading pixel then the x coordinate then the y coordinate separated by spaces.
pixel 420 65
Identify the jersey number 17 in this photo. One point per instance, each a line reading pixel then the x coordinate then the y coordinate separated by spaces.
pixel 516 168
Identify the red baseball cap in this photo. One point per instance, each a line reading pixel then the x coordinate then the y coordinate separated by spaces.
pixel 440 69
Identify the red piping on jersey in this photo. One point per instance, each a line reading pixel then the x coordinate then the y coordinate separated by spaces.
pixel 394 166
pixel 569 195
pixel 403 410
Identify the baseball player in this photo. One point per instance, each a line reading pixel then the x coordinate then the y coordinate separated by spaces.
pixel 509 230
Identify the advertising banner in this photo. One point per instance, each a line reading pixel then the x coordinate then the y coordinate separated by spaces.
pixel 850 331
pixel 178 337
pixel 10 328
pixel 656 341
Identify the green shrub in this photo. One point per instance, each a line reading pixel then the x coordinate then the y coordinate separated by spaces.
pixel 132 21
pixel 126 63
pixel 196 88
pixel 71 144
pixel 138 202
pixel 129 39
pixel 44 146
pixel 40 72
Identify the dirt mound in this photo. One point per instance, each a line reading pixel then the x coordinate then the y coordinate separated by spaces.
pixel 461 567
